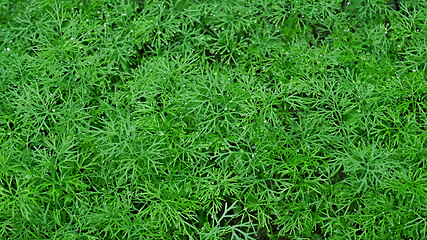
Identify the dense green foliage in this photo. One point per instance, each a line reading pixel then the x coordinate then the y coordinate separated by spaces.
pixel 258 119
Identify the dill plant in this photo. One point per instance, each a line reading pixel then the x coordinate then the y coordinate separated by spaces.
pixel 213 119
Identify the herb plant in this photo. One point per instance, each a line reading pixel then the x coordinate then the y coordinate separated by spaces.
pixel 202 119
